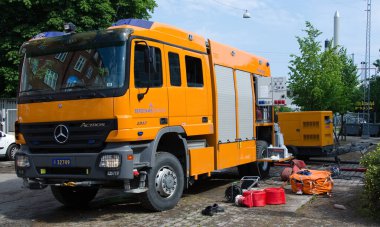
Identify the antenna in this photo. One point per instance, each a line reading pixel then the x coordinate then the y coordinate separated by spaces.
pixel 366 83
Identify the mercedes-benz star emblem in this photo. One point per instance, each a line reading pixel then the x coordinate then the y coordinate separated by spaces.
pixel 61 134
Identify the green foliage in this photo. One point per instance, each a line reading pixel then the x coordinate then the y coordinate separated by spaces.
pixel 23 19
pixel 372 181
pixel 377 64
pixel 322 80
pixel 351 90
pixel 283 109
pixel 375 93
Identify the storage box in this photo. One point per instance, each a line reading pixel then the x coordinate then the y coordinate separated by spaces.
pixel 276 152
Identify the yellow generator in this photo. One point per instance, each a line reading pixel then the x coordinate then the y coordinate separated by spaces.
pixel 309 133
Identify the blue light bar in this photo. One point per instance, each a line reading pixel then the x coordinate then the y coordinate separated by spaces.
pixel 134 22
pixel 48 34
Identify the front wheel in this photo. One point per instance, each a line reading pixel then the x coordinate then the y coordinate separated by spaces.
pixel 74 196
pixel 165 183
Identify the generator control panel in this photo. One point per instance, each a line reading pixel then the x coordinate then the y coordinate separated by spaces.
pixel 279 90
pixel 264 96
pixel 270 91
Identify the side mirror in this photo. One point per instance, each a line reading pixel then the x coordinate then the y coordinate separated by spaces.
pixel 148 59
pixel 20 66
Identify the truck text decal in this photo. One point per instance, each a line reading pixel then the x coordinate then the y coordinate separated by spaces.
pixel 150 110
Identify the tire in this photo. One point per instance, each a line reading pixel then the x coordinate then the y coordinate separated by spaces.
pixel 74 196
pixel 303 157
pixel 11 151
pixel 260 169
pixel 293 150
pixel 165 183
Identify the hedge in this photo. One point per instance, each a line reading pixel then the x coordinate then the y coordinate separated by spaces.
pixel 372 181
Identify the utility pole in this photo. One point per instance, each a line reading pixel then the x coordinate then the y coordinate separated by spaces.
pixel 366 85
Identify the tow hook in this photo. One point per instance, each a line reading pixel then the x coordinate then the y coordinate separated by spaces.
pixel 142 179
pixel 141 188
pixel 69 184
pixel 79 183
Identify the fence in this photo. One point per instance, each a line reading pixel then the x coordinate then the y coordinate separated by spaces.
pixel 8 113
pixel 8 104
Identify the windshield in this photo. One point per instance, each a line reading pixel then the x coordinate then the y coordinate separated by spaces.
pixel 75 65
pixel 98 68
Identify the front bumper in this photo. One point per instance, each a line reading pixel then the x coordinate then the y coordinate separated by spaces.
pixel 82 166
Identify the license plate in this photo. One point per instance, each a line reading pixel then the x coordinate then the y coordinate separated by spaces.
pixel 62 162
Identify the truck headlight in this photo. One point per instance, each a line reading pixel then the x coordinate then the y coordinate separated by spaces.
pixel 22 161
pixel 110 161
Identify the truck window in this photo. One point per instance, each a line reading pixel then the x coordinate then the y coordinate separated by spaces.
pixel 194 72
pixel 142 79
pixel 175 70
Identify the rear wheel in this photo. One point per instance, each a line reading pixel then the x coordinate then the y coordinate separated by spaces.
pixel 74 196
pixel 11 151
pixel 260 169
pixel 165 183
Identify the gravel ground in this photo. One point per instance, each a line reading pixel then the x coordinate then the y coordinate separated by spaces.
pixel 22 207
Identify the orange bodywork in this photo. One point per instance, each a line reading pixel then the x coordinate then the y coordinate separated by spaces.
pixel 183 106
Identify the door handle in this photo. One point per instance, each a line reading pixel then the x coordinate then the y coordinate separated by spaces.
pixel 163 121
pixel 204 119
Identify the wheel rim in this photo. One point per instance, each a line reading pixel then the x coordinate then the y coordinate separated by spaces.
pixel 13 152
pixel 166 181
pixel 264 165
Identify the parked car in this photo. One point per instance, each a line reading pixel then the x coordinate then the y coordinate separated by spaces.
pixel 8 146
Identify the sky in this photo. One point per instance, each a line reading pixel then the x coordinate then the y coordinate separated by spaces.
pixel 272 29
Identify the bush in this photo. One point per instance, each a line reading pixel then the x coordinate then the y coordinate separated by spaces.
pixel 372 181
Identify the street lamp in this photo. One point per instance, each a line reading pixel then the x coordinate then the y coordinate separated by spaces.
pixel 246 14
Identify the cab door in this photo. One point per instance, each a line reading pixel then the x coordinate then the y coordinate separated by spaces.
pixel 175 72
pixel 198 108
pixel 148 91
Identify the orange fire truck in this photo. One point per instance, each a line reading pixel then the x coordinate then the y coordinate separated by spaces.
pixel 142 106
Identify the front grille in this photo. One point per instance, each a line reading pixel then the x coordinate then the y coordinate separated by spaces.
pixel 64 171
pixel 83 136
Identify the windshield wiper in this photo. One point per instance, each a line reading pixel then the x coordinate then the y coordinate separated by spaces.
pixel 35 89
pixel 86 88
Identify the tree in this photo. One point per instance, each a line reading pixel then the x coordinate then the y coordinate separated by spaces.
pixel 23 19
pixel 322 80
pixel 283 109
pixel 377 64
pixel 375 94
pixel 351 90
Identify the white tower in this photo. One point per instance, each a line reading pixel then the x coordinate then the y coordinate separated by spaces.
pixel 336 29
